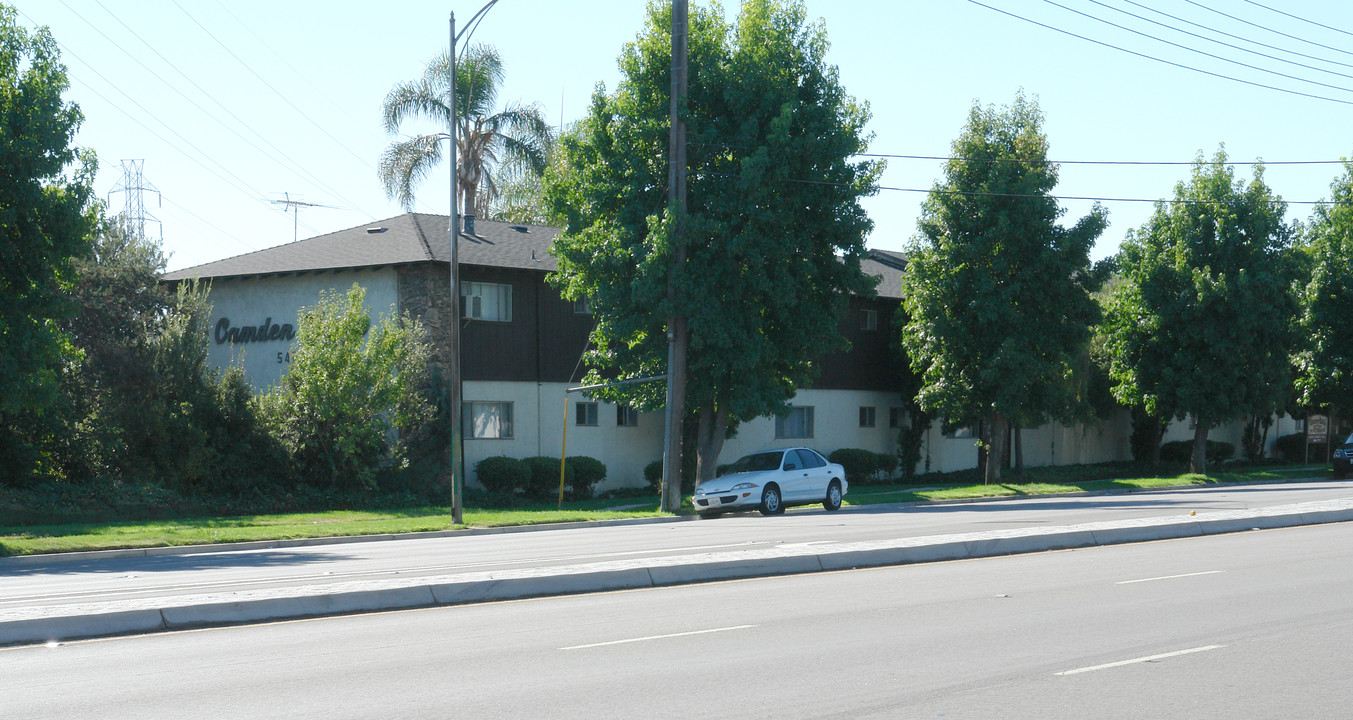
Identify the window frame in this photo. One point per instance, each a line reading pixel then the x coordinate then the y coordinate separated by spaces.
pixel 505 419
pixel 471 291
pixel 585 414
pixel 868 416
pixel 782 426
pixel 626 416
pixel 869 320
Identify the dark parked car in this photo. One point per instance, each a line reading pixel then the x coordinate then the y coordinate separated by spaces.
pixel 1343 457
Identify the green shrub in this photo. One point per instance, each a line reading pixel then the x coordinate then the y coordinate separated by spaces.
pixel 1181 451
pixel 352 387
pixel 544 477
pixel 1292 448
pixel 860 464
pixel 502 475
pixel 653 474
pixel 887 463
pixel 587 472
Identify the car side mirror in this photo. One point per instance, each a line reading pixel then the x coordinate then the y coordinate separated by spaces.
pixel 791 466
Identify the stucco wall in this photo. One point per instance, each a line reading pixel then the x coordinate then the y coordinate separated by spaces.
pixel 277 300
pixel 538 429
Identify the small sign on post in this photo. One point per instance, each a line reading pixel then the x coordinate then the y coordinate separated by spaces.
pixel 1317 429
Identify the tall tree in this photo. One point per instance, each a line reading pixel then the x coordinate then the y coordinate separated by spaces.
pixel 1324 364
pixel 775 231
pixel 485 137
pixel 1201 324
pixel 997 293
pixel 46 219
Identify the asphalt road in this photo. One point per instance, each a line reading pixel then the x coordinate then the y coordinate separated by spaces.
pixel 1248 625
pixel 72 583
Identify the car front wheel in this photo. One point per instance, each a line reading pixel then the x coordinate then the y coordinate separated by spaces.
pixel 833 501
pixel 771 503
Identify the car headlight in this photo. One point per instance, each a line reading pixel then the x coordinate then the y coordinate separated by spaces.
pixel 744 486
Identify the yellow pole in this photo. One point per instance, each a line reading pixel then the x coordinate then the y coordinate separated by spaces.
pixel 563 453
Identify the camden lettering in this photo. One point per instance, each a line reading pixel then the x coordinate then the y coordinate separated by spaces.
pixel 252 333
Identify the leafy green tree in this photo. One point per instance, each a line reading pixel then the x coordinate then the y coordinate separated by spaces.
pixel 997 294
pixel 775 232
pixel 516 134
pixel 46 218
pixel 351 387
pixel 1324 364
pixel 1201 324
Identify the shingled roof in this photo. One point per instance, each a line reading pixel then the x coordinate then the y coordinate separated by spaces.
pixel 419 238
pixel 400 240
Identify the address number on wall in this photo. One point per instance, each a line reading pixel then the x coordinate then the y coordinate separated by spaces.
pixel 283 358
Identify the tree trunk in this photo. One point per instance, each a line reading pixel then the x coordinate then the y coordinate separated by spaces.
pixel 1155 446
pixel 712 430
pixel 1018 435
pixel 996 451
pixel 1199 462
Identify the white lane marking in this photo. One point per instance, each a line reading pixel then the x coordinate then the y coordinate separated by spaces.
pixel 657 637
pixel 1152 658
pixel 1170 577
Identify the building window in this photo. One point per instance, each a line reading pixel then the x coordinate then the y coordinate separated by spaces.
pixel 895 415
pixel 626 416
pixel 488 420
pixel 583 306
pixel 491 302
pixel 966 431
pixel 797 424
pixel 869 320
pixel 866 417
pixel 586 414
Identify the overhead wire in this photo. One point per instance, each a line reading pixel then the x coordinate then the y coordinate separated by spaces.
pixel 1237 37
pixel 1218 42
pixel 276 152
pixel 270 86
pixel 1194 50
pixel 1296 17
pixel 1268 29
pixel 1161 60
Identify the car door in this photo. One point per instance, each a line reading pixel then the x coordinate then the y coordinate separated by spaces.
pixel 799 479
pixel 815 481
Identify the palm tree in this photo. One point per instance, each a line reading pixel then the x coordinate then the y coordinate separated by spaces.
pixel 517 134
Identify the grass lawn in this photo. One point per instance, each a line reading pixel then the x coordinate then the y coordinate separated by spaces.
pixel 28 540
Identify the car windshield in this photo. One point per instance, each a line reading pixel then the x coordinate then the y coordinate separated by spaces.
pixel 757 462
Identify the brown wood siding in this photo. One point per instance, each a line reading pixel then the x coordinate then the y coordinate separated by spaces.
pixel 874 361
pixel 540 344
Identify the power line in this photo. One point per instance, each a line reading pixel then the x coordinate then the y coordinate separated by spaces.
pixel 974 193
pixel 1161 60
pixel 1102 162
pixel 1194 50
pixel 1218 42
pixel 1269 29
pixel 1294 17
pixel 1237 37
pixel 278 152
pixel 269 85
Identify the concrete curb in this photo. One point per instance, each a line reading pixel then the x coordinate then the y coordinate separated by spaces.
pixel 294 603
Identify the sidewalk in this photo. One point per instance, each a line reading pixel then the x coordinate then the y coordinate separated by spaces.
pixel 40 624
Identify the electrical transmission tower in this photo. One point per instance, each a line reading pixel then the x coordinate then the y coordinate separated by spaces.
pixel 294 207
pixel 133 185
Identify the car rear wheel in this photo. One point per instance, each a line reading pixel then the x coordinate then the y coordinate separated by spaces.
pixel 833 501
pixel 771 504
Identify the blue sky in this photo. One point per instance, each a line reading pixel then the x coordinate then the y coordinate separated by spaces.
pixel 236 104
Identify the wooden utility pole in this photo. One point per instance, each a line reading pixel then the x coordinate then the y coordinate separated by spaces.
pixel 676 324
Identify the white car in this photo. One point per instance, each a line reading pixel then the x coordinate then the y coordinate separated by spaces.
pixel 772 480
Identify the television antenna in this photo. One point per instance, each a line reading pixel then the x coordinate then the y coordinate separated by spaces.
pixel 294 207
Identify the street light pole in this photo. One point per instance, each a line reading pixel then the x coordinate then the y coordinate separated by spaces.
pixel 453 364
